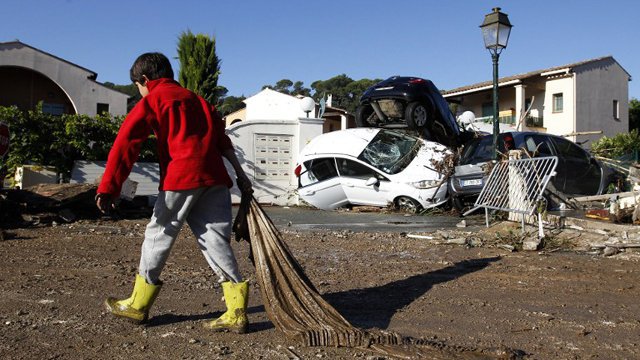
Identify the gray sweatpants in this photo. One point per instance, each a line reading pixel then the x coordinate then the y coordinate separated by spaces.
pixel 208 212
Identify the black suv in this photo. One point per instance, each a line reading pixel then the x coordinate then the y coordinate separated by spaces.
pixel 577 174
pixel 412 102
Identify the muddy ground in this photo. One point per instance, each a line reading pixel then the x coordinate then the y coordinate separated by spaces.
pixel 565 302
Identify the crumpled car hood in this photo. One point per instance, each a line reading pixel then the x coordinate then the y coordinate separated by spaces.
pixel 428 160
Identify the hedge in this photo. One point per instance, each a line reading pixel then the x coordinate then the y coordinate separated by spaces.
pixel 38 138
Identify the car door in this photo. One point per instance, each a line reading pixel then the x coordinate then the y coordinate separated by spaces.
pixel 355 178
pixel 582 172
pixel 320 185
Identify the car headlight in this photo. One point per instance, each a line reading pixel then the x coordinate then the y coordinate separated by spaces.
pixel 425 184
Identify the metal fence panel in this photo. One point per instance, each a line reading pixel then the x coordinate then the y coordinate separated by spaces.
pixel 516 185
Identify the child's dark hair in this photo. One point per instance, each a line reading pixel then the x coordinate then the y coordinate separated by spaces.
pixel 152 65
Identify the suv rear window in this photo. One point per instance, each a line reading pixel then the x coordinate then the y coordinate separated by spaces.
pixel 480 150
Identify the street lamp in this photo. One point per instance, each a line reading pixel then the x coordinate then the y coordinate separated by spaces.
pixel 307 105
pixel 495 31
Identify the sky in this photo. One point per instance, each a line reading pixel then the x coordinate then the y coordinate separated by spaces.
pixel 263 41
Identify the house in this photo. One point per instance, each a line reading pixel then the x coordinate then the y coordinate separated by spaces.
pixel 568 100
pixel 30 76
pixel 270 104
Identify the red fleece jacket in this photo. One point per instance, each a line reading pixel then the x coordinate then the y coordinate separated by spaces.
pixel 190 136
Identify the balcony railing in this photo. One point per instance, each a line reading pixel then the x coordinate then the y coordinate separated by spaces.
pixel 530 121
pixel 511 120
pixel 534 121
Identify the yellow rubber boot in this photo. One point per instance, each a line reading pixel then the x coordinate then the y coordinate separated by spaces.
pixel 136 307
pixel 236 296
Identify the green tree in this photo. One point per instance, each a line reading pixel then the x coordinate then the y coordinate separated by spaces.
pixel 634 114
pixel 230 104
pixel 299 89
pixel 345 91
pixel 287 86
pixel 131 90
pixel 199 65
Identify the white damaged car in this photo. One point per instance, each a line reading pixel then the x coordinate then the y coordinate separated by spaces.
pixel 372 166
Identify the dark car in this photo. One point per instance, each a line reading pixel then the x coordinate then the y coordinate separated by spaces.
pixel 411 102
pixel 577 173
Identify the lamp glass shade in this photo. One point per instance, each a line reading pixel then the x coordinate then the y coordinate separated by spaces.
pixel 307 104
pixel 495 30
pixel 503 34
pixel 490 35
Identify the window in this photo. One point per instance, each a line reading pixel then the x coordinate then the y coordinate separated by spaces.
pixel 537 146
pixel 102 108
pixel 53 109
pixel 318 170
pixel 558 105
pixel 350 168
pixel 616 110
pixel 569 150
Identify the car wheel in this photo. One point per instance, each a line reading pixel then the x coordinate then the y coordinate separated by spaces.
pixel 416 115
pixel 365 116
pixel 457 203
pixel 407 204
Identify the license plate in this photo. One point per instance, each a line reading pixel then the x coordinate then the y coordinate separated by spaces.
pixel 472 182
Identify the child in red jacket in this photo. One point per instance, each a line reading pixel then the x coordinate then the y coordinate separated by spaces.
pixel 194 187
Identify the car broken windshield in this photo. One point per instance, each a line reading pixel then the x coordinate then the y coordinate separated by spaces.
pixel 390 151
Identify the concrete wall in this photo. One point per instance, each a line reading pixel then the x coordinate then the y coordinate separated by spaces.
pixel 146 175
pixel 597 86
pixel 78 83
pixel 268 151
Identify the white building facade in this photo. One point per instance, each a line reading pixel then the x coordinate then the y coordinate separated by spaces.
pixel 573 100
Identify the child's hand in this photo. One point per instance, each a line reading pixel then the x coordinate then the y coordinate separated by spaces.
pixel 244 184
pixel 104 203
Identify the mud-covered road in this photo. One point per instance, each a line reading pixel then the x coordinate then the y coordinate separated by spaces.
pixel 562 303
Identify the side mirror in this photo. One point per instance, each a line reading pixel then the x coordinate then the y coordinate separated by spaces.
pixel 371 181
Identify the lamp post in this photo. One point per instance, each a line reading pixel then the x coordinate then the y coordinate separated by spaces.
pixel 495 31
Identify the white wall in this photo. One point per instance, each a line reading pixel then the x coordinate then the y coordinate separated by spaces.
pixel 560 123
pixel 250 137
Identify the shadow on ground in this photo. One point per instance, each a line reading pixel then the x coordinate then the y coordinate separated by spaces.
pixel 374 307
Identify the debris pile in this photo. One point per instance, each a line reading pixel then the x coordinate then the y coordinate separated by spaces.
pixel 59 203
pixel 619 207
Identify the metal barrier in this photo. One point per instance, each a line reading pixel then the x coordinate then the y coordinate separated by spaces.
pixel 516 186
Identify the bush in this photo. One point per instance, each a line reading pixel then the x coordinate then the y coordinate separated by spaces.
pixel 621 145
pixel 37 138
